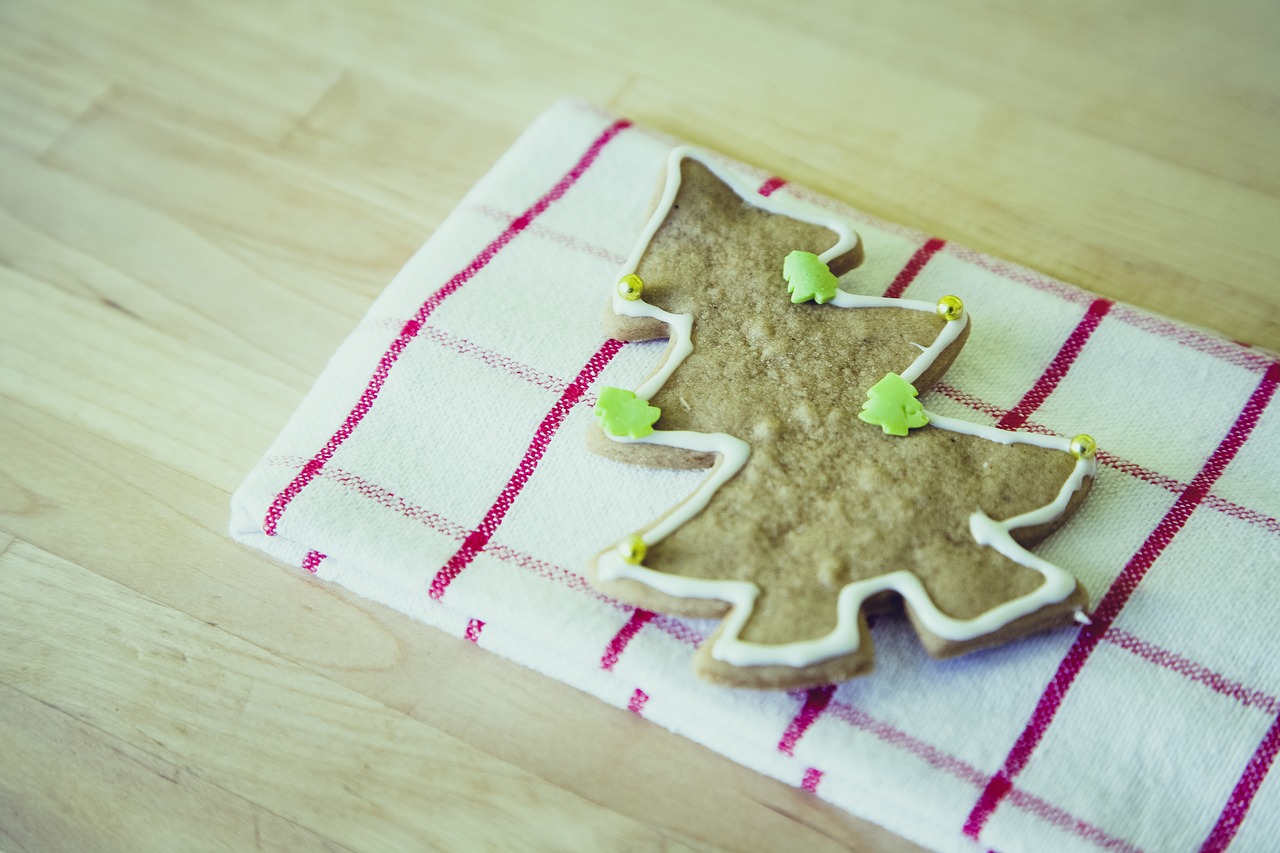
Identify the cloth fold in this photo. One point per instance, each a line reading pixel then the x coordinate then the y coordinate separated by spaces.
pixel 438 466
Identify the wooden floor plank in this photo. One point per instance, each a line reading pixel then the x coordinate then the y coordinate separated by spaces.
pixel 71 786
pixel 147 265
pixel 119 378
pixel 183 54
pixel 139 148
pixel 337 764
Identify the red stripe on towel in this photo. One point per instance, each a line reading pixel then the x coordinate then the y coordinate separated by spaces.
pixel 1057 368
pixel 913 267
pixel 1192 671
pixel 1242 795
pixel 771 186
pixel 624 637
pixel 480 536
pixel 816 700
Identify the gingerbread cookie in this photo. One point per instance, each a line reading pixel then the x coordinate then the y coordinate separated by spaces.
pixel 831 491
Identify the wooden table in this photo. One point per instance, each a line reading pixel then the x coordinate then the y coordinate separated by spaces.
pixel 199 200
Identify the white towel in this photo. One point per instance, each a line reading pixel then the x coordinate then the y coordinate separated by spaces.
pixel 438 466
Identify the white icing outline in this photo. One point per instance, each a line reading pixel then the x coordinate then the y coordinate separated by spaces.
pixel 732 453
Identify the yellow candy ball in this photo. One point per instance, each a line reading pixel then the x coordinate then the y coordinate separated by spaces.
pixel 633 550
pixel 950 308
pixel 1083 446
pixel 630 287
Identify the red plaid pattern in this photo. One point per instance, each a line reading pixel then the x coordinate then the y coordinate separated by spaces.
pixel 438 466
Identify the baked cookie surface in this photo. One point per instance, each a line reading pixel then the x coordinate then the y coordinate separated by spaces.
pixel 811 516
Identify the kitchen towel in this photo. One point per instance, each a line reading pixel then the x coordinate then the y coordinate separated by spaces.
pixel 439 466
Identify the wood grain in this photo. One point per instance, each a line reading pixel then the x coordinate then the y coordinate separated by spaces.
pixel 198 201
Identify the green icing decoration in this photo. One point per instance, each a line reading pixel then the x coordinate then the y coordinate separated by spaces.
pixel 892 406
pixel 808 278
pixel 621 412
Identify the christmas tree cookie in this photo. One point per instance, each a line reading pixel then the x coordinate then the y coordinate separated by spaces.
pixel 832 491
